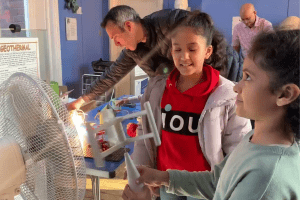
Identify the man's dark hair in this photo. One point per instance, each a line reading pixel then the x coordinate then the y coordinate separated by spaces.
pixel 119 15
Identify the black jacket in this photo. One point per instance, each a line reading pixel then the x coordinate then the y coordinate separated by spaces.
pixel 153 56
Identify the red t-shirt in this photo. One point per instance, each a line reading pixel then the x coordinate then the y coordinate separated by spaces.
pixel 180 148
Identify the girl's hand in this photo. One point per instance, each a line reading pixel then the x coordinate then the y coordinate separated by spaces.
pixel 152 177
pixel 128 194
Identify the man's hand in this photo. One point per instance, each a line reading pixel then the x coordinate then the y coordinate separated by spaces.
pixel 122 102
pixel 75 104
pixel 128 194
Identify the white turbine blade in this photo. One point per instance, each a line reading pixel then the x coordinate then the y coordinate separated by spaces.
pixel 132 174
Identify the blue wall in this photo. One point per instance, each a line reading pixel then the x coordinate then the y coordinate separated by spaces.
pixel 90 46
pixel 168 4
pixel 294 7
pixel 195 4
pixel 105 48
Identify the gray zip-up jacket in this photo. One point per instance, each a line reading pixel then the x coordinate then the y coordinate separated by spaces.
pixel 219 128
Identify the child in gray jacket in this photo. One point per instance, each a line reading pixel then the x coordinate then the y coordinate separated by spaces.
pixel 194 106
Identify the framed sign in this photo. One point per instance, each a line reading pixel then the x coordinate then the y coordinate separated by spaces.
pixel 19 55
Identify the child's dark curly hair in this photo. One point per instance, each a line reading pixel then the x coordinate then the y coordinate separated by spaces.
pixel 279 54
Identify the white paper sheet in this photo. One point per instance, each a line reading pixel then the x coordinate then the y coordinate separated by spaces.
pixel 71 28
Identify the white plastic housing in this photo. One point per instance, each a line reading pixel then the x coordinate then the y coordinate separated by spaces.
pixel 115 133
pixel 132 174
pixel 12 168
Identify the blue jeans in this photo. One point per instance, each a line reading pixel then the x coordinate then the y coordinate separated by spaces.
pixel 168 196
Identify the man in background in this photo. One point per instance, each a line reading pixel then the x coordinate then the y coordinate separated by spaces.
pixel 250 26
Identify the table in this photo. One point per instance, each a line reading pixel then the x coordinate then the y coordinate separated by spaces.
pixel 109 171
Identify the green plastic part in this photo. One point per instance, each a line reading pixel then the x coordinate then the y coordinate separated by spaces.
pixel 54 86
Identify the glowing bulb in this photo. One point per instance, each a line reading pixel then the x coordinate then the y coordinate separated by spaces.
pixel 78 123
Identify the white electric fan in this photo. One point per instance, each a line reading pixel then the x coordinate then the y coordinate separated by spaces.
pixel 40 152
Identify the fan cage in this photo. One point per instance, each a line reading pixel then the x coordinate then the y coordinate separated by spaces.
pixel 33 114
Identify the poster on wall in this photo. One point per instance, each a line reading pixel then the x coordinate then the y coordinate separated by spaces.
pixel 71 28
pixel 19 55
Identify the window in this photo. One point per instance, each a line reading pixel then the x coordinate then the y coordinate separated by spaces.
pixel 38 19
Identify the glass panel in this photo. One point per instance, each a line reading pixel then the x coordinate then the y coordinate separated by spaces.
pixel 13 12
pixel 16 12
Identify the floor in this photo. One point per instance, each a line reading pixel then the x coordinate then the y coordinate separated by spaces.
pixel 110 189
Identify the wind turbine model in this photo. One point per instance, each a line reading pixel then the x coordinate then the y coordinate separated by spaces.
pixel 113 128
